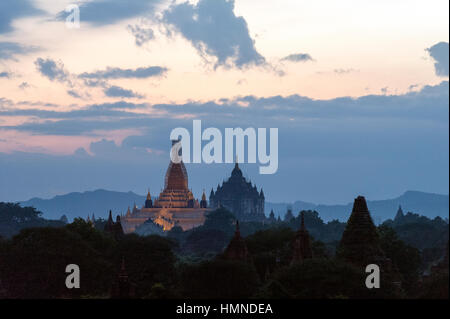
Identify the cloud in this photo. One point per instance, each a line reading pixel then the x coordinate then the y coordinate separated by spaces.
pixel 118 73
pixel 13 9
pixel 439 53
pixel 298 57
pixel 5 104
pixel 344 71
pixel 116 91
pixel 428 105
pixel 8 50
pixel 53 70
pixel 141 34
pixel 215 31
pixel 104 12
pixel 5 74
pixel 24 85
pixel 74 94
pixel 87 112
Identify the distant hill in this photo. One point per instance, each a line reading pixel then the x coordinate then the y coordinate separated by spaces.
pixel 101 201
pixel 426 204
pixel 74 205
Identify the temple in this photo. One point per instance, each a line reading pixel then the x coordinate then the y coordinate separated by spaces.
pixel 114 228
pixel 240 197
pixel 122 288
pixel 301 244
pixel 237 249
pixel 175 206
pixel 399 214
pixel 360 243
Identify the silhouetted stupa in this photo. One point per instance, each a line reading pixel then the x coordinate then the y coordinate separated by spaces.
pixel 237 249
pixel 114 228
pixel 122 288
pixel 301 244
pixel 399 214
pixel 240 197
pixel 360 242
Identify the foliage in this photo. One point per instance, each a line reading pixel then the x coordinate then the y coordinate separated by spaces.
pixel 33 264
pixel 435 287
pixel 420 231
pixel 149 260
pixel 405 258
pixel 327 278
pixel 219 279
pixel 13 218
pixel 272 248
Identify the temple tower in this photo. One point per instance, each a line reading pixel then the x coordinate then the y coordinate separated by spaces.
pixel 237 249
pixel 148 201
pixel 122 288
pixel 240 197
pixel 203 202
pixel 399 214
pixel 301 244
pixel 109 226
pixel 360 242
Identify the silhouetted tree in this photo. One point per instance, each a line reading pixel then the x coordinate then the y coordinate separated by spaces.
pixel 219 279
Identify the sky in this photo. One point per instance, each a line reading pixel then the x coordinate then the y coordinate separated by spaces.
pixel 358 91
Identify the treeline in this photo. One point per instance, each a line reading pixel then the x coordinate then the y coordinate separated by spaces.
pixel 14 218
pixel 189 264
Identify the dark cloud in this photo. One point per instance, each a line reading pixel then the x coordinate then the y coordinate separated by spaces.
pixel 8 50
pixel 104 12
pixel 74 94
pixel 430 104
pixel 53 70
pixel 141 34
pixel 14 9
pixel 5 74
pixel 118 73
pixel 116 91
pixel 440 55
pixel 24 85
pixel 215 31
pixel 298 57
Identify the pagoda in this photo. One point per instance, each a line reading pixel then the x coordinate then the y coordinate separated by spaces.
pixel 301 244
pixel 240 197
pixel 399 214
pixel 122 288
pixel 360 242
pixel 237 249
pixel 114 228
pixel 175 205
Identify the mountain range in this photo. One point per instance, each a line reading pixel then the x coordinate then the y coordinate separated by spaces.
pixel 101 201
